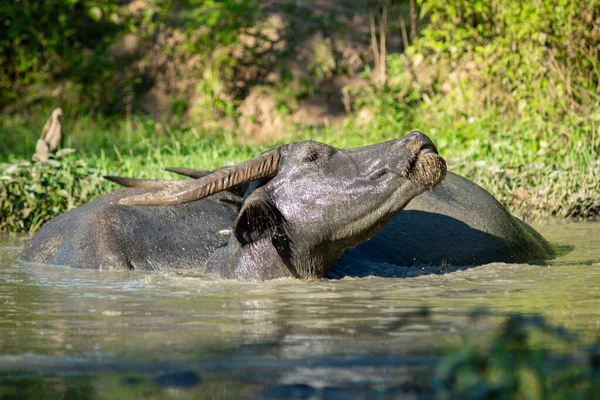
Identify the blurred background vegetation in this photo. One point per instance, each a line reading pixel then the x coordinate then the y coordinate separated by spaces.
pixel 508 90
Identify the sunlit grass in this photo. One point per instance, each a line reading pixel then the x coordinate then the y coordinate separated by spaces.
pixel 537 174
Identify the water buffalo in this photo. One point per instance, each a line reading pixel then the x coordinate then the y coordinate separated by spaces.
pixel 456 223
pixel 302 210
pixel 312 203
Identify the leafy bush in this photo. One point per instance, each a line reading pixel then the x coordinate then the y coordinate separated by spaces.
pixel 101 56
pixel 523 59
pixel 509 91
pixel 526 359
pixel 504 61
pixel 44 40
pixel 32 194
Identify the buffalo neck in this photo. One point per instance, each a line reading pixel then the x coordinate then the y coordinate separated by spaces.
pixel 268 259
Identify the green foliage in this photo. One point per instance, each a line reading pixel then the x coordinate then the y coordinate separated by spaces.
pixel 221 21
pixel 558 185
pixel 526 359
pixel 31 194
pixel 508 90
pixel 78 46
pixel 524 58
pixel 322 64
pixel 43 40
pixel 505 59
pixel 508 59
pixel 521 60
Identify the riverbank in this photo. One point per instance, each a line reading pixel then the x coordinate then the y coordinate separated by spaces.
pixel 534 179
pixel 144 84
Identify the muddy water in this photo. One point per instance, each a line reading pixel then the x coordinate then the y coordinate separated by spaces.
pixel 91 334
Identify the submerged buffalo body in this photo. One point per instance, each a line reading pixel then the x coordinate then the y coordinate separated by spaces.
pixel 457 223
pixel 308 207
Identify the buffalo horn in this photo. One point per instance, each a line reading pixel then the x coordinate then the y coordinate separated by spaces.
pixel 184 191
pixel 192 173
pixel 151 183
pixel 137 183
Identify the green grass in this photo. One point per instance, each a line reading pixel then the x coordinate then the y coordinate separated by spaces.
pixel 33 193
pixel 535 176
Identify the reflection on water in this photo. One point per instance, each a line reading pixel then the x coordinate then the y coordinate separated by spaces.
pixel 113 334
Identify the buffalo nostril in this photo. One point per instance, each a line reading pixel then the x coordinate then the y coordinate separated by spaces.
pixel 427 148
pixel 418 143
pixel 378 174
pixel 420 136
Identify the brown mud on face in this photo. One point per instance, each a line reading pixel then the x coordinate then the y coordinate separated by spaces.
pixel 429 170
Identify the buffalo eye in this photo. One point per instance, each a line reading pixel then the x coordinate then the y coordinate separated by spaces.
pixel 312 157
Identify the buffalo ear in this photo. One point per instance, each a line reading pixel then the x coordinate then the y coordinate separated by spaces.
pixel 258 219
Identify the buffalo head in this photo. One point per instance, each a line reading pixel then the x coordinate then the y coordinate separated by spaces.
pixel 308 204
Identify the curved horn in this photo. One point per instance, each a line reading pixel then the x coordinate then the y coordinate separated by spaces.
pixel 152 183
pixel 184 191
pixel 137 183
pixel 192 173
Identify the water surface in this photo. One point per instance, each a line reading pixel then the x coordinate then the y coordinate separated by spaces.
pixel 106 334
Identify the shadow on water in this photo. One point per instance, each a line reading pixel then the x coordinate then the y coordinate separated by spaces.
pixel 236 372
pixel 411 245
pixel 560 250
pixel 288 365
pixel 246 371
